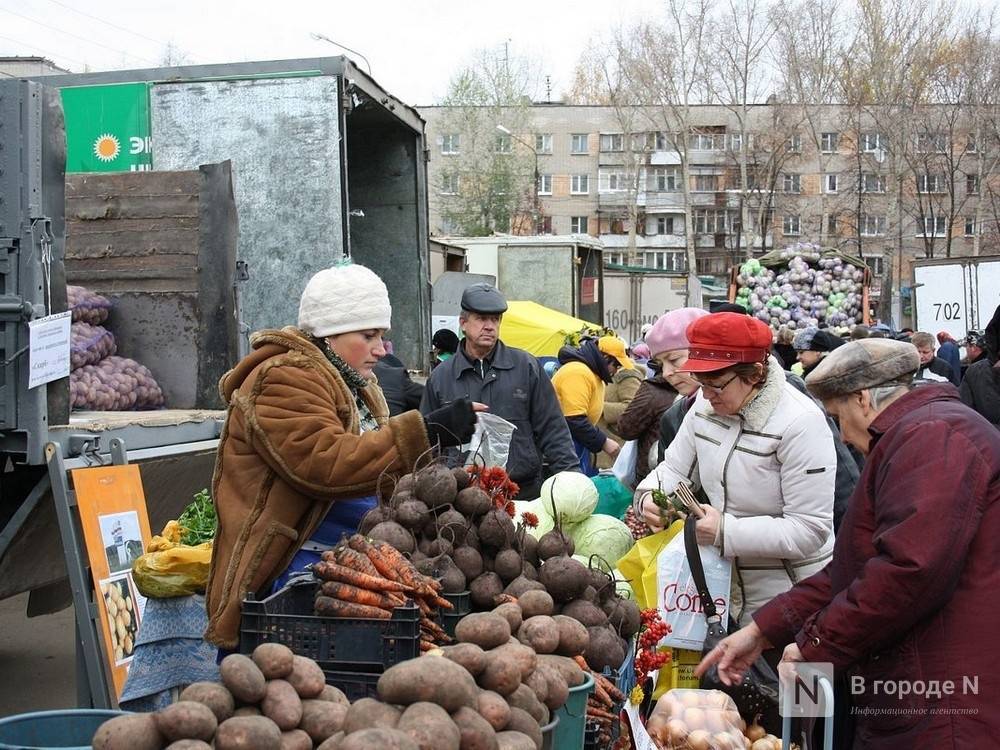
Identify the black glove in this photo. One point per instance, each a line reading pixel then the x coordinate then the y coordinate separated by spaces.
pixel 451 425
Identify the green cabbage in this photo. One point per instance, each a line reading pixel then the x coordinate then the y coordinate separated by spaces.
pixel 572 495
pixel 601 535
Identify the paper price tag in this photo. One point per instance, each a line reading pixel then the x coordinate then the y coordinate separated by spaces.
pixel 48 348
pixel 640 737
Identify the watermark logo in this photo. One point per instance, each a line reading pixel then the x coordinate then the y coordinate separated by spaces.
pixel 805 689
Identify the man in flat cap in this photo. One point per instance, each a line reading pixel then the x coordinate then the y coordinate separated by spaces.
pixel 909 598
pixel 512 383
pixel 812 345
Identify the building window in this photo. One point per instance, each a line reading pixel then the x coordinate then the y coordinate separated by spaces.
pixel 664 224
pixel 874 142
pixel 972 184
pixel 543 143
pixel 872 226
pixel 830 183
pixel 706 183
pixel 712 221
pixel 872 183
pixel 713 266
pixel 579 184
pixel 660 141
pixel 664 260
pixel 791 224
pixel 831 224
pixel 665 180
pixel 970 226
pixel 932 143
pixel 736 141
pixel 578 143
pixel 828 142
pixel 449 144
pixel 876 264
pixel 449 183
pixel 617 226
pixel 791 183
pixel 578 225
pixel 610 181
pixel 930 183
pixel 545 184
pixel 794 144
pixel 971 147
pixel 502 144
pixel 707 141
pixel 544 225
pixel 934 226
pixel 614 259
pixel 612 142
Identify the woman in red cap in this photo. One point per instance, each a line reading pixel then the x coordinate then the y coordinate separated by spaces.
pixel 763 454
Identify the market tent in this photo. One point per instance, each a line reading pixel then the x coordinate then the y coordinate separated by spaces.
pixel 537 329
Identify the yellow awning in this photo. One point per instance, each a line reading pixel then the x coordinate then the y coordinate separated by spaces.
pixel 537 329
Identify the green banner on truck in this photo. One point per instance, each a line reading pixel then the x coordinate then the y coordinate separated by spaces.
pixel 108 128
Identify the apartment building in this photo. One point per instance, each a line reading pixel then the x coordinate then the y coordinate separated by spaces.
pixel 826 175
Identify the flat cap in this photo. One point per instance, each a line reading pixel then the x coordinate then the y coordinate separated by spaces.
pixel 867 363
pixel 483 298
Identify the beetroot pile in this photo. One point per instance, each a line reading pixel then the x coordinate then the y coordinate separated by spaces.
pixel 98 379
pixel 458 526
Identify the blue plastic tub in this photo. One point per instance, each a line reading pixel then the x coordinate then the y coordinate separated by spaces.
pixel 572 716
pixel 73 728
pixel 548 733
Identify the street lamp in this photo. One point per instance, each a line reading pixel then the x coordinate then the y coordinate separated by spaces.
pixel 536 186
pixel 323 38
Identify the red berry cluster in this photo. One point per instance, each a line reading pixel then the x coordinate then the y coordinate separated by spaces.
pixel 495 482
pixel 648 659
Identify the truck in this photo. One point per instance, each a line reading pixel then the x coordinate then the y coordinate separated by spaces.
pixel 955 295
pixel 258 175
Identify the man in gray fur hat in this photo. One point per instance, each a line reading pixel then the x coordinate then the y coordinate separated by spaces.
pixel 909 596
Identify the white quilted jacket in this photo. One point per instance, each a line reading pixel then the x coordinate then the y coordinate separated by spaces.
pixel 770 471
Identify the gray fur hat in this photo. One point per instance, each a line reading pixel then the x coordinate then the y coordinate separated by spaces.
pixel 868 363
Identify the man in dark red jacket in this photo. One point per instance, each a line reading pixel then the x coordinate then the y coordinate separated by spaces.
pixel 907 609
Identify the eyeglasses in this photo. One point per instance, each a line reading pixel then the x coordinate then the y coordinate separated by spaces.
pixel 715 389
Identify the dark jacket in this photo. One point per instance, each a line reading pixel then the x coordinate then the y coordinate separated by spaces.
pixel 401 393
pixel 641 419
pixel 948 351
pixel 670 422
pixel 981 387
pixel 512 383
pixel 910 594
pixel 940 368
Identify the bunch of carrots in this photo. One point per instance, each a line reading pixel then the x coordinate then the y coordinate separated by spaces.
pixel 365 578
pixel 603 704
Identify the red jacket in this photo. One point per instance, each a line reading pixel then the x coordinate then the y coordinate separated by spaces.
pixel 913 591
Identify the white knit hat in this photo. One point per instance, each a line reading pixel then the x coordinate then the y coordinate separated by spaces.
pixel 342 299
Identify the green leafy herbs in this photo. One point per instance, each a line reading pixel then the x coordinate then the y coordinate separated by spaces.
pixel 198 520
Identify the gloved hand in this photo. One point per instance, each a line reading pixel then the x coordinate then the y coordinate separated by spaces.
pixel 451 425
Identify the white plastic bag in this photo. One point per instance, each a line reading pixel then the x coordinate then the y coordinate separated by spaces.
pixel 677 597
pixel 490 445
pixel 624 466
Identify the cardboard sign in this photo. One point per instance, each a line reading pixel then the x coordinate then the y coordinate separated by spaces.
pixel 116 531
pixel 640 737
pixel 48 348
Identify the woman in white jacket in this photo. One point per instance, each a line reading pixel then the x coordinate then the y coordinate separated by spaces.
pixel 763 454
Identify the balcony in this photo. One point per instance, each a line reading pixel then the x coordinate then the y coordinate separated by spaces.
pixel 665 201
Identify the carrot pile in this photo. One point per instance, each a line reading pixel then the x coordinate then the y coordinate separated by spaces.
pixel 365 578
pixel 603 704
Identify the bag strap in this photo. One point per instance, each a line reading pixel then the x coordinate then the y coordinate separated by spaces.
pixel 698 570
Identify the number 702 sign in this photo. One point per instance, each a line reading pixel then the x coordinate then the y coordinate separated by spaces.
pixel 947 310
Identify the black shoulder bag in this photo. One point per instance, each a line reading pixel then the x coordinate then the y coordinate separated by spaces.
pixel 758 692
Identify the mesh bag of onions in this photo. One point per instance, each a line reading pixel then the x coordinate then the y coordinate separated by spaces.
pixel 114 384
pixel 87 306
pixel 89 344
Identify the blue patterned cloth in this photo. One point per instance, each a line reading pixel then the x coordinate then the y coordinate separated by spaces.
pixel 169 653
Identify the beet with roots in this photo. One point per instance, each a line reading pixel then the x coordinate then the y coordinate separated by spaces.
pixel 484 589
pixel 590 594
pixel 529 571
pixel 496 530
pixel 521 584
pixel 394 534
pixel 452 525
pixel 564 578
pixel 472 502
pixel 412 514
pixel 472 538
pixel 529 549
pixel 373 518
pixel 507 565
pixel 584 612
pixel 436 486
pixel 406 483
pixel 452 579
pixel 623 616
pixel 605 649
pixel 462 477
pixel 554 544
pixel 440 546
pixel 469 561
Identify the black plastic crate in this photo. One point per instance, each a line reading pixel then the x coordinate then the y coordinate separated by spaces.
pixel 338 644
pixel 462 603
pixel 590 736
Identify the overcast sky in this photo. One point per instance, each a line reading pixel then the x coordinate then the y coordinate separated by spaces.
pixel 413 47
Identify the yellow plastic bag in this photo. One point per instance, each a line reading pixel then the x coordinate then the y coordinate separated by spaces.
pixel 174 570
pixel 638 566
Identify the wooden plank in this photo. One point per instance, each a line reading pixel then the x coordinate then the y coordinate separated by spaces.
pixel 91 208
pixel 131 183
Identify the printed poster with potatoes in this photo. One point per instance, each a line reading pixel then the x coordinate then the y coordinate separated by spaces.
pixel 116 531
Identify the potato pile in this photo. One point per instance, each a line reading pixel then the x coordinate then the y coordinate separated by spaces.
pixel 704 720
pixel 98 380
pixel 272 701
pixel 89 344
